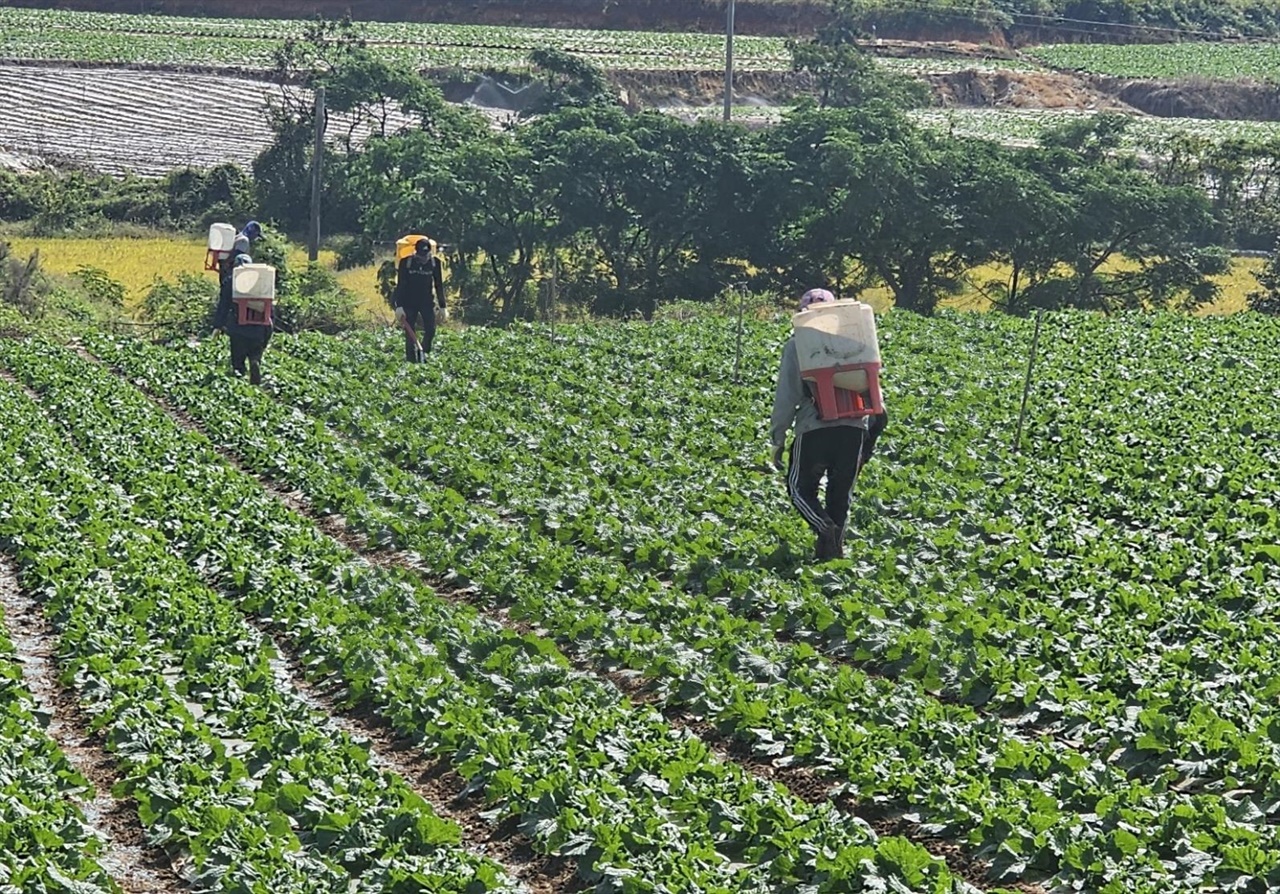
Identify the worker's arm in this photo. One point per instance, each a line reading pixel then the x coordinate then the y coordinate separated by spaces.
pixel 437 276
pixel 397 294
pixel 787 397
pixel 224 304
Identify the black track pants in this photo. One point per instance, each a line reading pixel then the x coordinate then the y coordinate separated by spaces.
pixel 839 452
pixel 426 331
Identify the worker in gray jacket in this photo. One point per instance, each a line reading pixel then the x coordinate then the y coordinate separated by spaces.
pixel 837 448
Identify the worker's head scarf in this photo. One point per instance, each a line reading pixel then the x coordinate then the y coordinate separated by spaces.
pixel 815 296
pixel 253 230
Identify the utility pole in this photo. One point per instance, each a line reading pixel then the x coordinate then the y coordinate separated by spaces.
pixel 728 62
pixel 317 160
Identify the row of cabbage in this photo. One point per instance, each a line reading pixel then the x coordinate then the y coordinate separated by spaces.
pixel 45 842
pixel 234 775
pixel 1025 126
pixel 643 806
pixel 636 503
pixel 565 495
pixel 1233 60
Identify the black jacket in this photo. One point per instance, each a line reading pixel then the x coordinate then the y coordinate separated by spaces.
pixel 415 280
pixel 226 316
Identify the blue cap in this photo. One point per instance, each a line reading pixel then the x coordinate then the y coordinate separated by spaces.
pixel 253 229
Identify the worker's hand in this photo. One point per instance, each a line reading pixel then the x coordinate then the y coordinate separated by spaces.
pixel 442 314
pixel 775 458
pixel 400 316
pixel 218 330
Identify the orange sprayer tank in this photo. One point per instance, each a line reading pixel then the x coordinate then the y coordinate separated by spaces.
pixel 839 356
pixel 253 291
pixel 222 237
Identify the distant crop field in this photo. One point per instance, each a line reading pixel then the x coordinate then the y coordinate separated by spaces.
pixel 1257 61
pixel 27 34
pixel 1026 126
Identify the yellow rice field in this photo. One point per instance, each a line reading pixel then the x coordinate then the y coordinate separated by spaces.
pixel 135 262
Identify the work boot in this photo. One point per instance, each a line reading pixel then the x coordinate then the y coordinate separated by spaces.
pixel 828 545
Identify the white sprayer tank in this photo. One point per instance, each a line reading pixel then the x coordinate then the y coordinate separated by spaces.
pixel 837 333
pixel 222 239
pixel 253 281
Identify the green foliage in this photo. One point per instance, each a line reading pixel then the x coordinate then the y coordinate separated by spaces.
pixel 568 80
pixel 17 196
pixel 353 251
pixel 386 277
pixel 23 286
pixel 846 75
pixel 58 203
pixel 314 300
pixel 1048 629
pixel 1266 300
pixel 100 286
pixel 185 307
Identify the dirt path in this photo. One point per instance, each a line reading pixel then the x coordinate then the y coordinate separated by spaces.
pixel 138 867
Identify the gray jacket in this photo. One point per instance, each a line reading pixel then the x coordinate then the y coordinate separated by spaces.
pixel 793 403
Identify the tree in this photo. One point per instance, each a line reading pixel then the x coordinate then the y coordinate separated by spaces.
pixel 652 196
pixel 1025 214
pixel 497 214
pixel 793 220
pixel 570 81
pixel 845 75
pixel 1266 300
pixel 373 98
pixel 928 209
pixel 1117 213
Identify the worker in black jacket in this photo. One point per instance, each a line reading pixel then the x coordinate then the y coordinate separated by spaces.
pixel 417 278
pixel 248 340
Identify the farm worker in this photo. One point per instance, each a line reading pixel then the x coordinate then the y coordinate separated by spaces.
pixel 418 276
pixel 837 448
pixel 248 341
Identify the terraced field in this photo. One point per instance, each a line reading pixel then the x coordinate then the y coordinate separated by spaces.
pixel 1256 60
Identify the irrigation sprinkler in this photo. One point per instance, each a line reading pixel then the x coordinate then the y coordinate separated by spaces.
pixel 728 62
pixel 737 352
pixel 1026 385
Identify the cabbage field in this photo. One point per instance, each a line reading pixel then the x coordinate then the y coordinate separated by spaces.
pixel 556 568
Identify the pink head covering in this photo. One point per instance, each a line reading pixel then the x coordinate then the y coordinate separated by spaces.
pixel 815 296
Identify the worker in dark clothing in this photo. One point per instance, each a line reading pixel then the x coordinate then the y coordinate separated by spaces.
pixel 417 278
pixel 248 340
pixel 837 448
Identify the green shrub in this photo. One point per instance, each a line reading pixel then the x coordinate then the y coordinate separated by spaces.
pixel 100 287
pixel 182 308
pixel 1267 299
pixel 23 285
pixel 354 251
pixel 315 301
